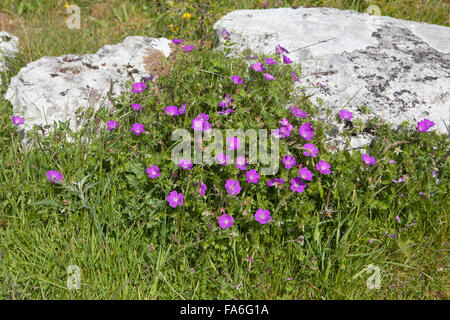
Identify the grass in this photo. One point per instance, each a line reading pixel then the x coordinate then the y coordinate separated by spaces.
pixel 111 220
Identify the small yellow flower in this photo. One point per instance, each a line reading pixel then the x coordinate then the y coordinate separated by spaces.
pixel 186 15
pixel 67 5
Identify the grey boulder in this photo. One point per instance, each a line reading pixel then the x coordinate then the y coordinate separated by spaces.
pixel 53 88
pixel 8 49
pixel 399 69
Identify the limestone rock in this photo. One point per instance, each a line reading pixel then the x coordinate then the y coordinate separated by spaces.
pixel 8 49
pixel 399 69
pixel 53 88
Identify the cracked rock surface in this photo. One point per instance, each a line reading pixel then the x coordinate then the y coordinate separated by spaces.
pixel 53 88
pixel 8 49
pixel 399 69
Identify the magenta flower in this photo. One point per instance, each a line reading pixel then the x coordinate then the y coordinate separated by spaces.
pixel 177 41
pixel 258 67
pixel 17 120
pixel 241 163
pixel 368 159
pixel 311 150
pixel 201 188
pixel 185 164
pixel 306 131
pixel 225 34
pixel 137 128
pixel 424 125
pixel 225 112
pixel 112 125
pixel 226 221
pixel 320 84
pixel 323 167
pixel 139 87
pixel 297 185
pixel 222 159
pixel 200 123
pixel 298 113
pixel 233 187
pixel 226 103
pixel 400 180
pixel 171 110
pixel 268 76
pixel 270 61
pixel 305 174
pixel 285 131
pixel 295 77
pixel 287 60
pixel 392 161
pixel 252 176
pixel 153 172
pixel 188 48
pixel 275 182
pixel 233 143
pixel 136 106
pixel 346 115
pixel 175 199
pixel 289 161
pixel 263 216
pixel 280 50
pixel 397 218
pixel 182 109
pixel 54 176
pixel 236 79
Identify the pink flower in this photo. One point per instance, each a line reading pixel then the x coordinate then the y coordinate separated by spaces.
pixel 241 163
pixel 297 185
pixel 298 113
pixel 139 87
pixel 222 159
pixel 17 120
pixel 270 61
pixel 188 48
pixel 258 67
pixel 177 41
pixel 54 176
pixel 202 188
pixel 112 125
pixel 252 176
pixel 305 174
pixel 368 159
pixel 136 106
pixel 289 161
pixel 233 143
pixel 323 167
pixel 311 150
pixel 424 125
pixel 306 131
pixel 236 79
pixel 233 187
pixel 275 182
pixel 171 110
pixel 185 164
pixel 200 123
pixel 287 60
pixel 263 216
pixel 295 77
pixel 175 199
pixel 345 115
pixel 268 76
pixel 153 172
pixel 280 50
pixel 137 128
pixel 226 221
